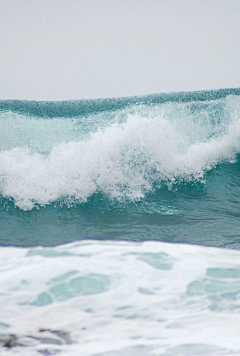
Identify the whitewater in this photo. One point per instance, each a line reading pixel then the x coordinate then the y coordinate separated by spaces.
pixel 119 225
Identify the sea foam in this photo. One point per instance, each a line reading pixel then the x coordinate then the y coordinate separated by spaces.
pixel 120 298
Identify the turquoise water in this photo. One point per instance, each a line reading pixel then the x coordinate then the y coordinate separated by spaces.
pixel 119 226
pixel 161 167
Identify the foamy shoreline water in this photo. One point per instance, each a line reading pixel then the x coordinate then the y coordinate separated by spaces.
pixel 121 299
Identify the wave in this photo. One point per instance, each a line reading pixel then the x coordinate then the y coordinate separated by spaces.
pixel 123 148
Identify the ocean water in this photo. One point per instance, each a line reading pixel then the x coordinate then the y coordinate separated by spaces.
pixel 119 226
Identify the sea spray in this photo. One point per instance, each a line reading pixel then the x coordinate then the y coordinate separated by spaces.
pixel 142 147
pixel 161 167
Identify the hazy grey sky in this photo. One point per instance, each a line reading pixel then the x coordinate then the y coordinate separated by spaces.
pixel 74 49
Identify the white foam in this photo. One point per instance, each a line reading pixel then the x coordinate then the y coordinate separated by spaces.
pixel 122 160
pixel 122 298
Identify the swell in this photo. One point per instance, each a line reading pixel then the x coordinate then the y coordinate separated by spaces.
pixel 53 109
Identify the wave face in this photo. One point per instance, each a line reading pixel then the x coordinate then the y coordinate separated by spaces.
pixel 159 167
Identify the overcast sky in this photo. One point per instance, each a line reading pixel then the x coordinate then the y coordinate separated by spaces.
pixel 75 49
